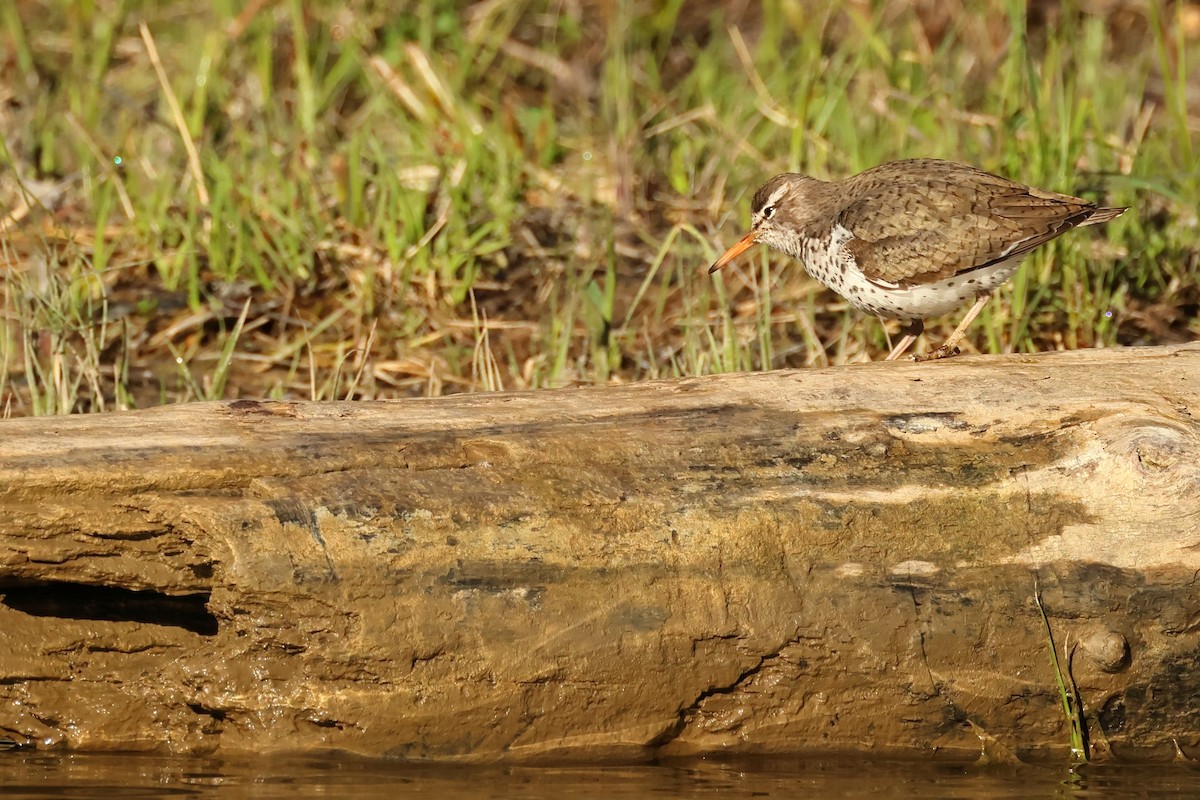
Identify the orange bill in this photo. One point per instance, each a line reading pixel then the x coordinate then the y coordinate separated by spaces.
pixel 740 246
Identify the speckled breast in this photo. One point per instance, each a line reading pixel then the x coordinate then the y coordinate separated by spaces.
pixel 835 267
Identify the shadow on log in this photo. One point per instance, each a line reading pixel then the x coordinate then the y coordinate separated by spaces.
pixel 829 560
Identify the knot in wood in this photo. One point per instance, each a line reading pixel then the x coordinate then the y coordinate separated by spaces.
pixel 1161 451
pixel 1106 648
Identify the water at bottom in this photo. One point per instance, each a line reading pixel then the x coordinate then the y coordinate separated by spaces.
pixel 46 775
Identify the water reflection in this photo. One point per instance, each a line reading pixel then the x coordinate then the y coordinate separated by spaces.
pixel 41 775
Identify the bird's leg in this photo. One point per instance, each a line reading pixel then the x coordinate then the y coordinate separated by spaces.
pixel 910 333
pixel 950 348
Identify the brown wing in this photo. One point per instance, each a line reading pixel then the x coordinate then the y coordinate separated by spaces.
pixel 944 219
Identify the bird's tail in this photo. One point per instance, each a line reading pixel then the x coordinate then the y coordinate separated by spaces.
pixel 1102 215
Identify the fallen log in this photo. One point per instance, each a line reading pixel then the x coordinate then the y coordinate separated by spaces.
pixel 842 559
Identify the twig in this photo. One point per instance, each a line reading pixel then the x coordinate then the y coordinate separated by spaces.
pixel 567 76
pixel 247 15
pixel 364 357
pixel 176 116
pixel 441 92
pixel 443 216
pixel 105 165
pixel 401 89
pixel 766 104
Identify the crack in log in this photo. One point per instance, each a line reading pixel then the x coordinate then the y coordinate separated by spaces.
pixel 326 722
pixel 199 708
pixel 66 600
pixel 295 511
pixel 139 535
pixel 686 714
pixel 934 684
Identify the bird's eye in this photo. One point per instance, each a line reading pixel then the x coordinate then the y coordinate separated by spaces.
pixel 768 212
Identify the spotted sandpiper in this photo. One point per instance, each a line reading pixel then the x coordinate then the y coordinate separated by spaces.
pixel 911 239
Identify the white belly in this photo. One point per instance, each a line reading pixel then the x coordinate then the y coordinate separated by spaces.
pixel 838 271
pixel 926 300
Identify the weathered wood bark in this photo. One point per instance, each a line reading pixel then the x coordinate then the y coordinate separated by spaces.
pixel 824 560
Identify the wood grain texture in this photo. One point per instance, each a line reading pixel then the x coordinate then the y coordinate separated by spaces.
pixel 839 559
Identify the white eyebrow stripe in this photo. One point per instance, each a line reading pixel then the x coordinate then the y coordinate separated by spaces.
pixel 775 195
pixel 758 215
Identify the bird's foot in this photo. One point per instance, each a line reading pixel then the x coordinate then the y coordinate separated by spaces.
pixel 945 351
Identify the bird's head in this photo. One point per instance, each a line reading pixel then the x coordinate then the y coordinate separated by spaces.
pixel 781 210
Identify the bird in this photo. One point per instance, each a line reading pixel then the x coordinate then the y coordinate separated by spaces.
pixel 913 238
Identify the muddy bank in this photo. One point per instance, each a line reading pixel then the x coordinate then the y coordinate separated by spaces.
pixel 838 559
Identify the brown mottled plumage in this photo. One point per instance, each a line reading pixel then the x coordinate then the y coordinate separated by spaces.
pixel 912 239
